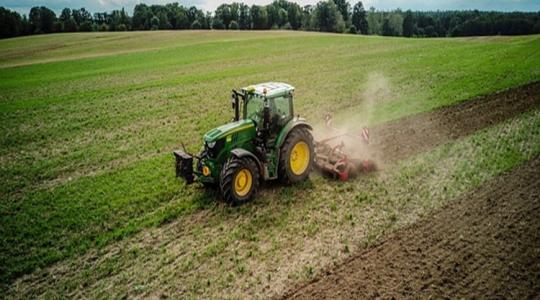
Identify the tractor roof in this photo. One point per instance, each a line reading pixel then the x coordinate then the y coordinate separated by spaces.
pixel 272 88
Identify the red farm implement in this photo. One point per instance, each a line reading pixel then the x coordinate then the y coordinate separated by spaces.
pixel 333 158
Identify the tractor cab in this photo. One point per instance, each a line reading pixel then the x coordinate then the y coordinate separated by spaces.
pixel 268 105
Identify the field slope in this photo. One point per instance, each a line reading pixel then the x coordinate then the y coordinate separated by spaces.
pixel 88 122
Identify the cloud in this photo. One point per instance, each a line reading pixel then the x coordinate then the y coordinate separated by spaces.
pixel 23 6
pixel 115 2
pixel 500 5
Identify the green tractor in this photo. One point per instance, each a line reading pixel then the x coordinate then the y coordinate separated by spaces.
pixel 264 141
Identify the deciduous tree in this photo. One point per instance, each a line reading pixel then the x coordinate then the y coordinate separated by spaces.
pixel 359 19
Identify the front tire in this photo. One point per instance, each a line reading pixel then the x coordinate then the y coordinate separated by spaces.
pixel 296 156
pixel 239 180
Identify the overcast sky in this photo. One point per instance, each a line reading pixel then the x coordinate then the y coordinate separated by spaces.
pixel 23 6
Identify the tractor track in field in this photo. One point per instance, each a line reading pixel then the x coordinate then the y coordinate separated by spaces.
pixel 485 244
pixel 404 137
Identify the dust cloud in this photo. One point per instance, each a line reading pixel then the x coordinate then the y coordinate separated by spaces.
pixel 350 128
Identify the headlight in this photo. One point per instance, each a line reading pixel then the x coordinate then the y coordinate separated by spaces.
pixel 206 171
pixel 211 144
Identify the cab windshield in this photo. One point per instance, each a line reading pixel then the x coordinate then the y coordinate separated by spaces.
pixel 254 109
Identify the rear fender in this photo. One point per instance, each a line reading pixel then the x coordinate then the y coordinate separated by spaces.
pixel 296 122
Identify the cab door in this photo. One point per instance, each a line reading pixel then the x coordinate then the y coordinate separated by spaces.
pixel 281 113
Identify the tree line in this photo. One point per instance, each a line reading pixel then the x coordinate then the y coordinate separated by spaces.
pixel 327 15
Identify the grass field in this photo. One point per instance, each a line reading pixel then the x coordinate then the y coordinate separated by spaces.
pixel 88 122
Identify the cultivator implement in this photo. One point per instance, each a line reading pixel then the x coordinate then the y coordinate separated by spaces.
pixel 333 158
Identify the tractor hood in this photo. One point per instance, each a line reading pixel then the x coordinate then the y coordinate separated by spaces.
pixel 227 129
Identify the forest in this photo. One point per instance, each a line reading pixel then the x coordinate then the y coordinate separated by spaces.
pixel 328 16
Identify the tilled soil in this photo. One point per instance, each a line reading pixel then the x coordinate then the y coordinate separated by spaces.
pixel 421 132
pixel 486 244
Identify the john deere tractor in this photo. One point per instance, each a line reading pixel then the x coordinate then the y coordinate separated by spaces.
pixel 264 141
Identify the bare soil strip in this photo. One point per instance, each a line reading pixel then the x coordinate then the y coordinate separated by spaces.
pixel 415 134
pixel 486 244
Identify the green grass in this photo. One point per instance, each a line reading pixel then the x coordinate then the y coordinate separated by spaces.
pixel 88 121
pixel 288 234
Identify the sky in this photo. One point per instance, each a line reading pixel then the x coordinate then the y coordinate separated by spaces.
pixel 23 6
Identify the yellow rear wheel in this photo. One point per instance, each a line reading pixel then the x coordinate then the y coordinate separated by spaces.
pixel 296 156
pixel 300 157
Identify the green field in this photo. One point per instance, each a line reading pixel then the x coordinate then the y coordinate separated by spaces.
pixel 89 121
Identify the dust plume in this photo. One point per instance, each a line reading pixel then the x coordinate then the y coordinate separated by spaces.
pixel 349 127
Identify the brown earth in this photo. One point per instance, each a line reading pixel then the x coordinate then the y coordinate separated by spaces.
pixel 485 244
pixel 418 133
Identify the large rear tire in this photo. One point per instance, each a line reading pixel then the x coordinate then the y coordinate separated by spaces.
pixel 239 180
pixel 296 156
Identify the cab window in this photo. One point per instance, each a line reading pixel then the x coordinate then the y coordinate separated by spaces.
pixel 281 107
